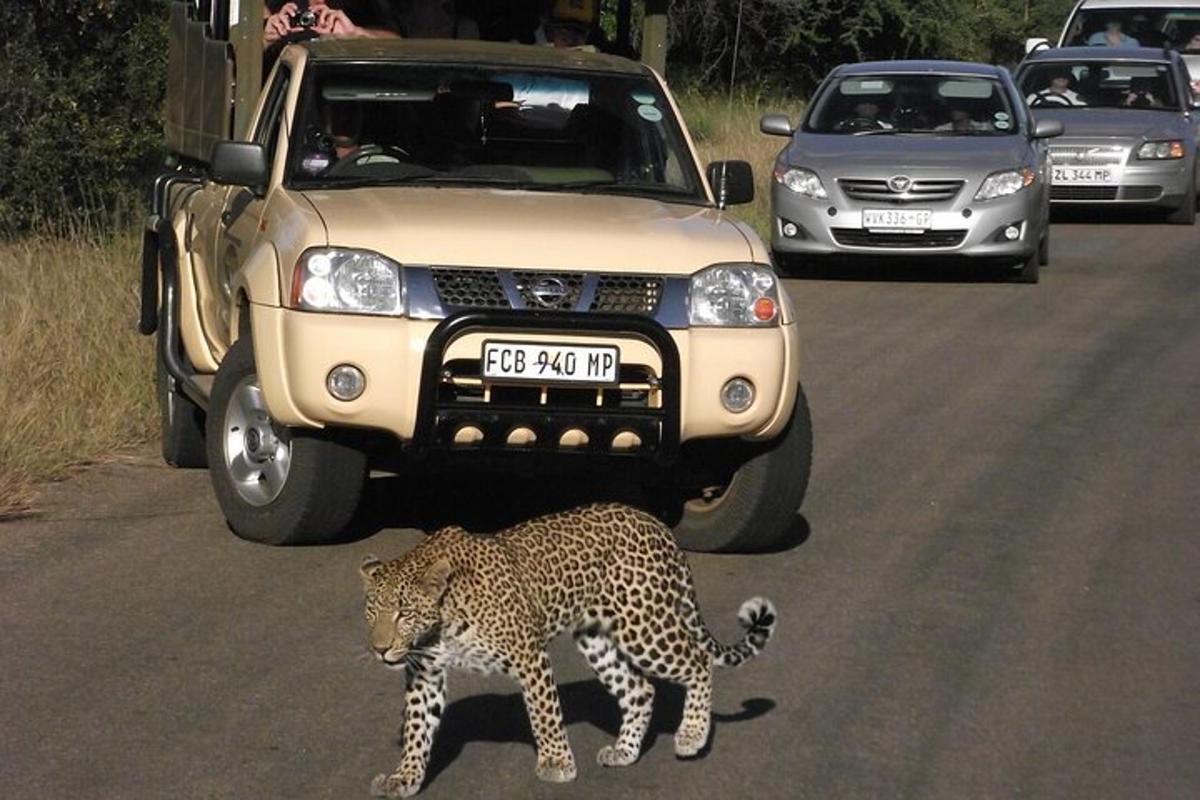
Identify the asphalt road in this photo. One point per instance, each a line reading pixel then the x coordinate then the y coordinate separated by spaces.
pixel 995 589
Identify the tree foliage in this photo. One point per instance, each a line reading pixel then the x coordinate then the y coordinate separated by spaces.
pixel 81 85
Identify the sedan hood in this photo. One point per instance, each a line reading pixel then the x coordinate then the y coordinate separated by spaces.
pixel 841 154
pixel 1115 123
pixel 513 229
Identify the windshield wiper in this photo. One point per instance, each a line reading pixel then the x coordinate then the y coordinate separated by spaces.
pixel 616 187
pixel 879 131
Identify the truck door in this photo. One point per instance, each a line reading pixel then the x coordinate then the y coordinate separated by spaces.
pixel 242 211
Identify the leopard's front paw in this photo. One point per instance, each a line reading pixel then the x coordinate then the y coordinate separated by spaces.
pixel 557 770
pixel 688 744
pixel 395 785
pixel 613 756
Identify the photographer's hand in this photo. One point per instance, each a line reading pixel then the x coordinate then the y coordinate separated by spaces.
pixel 279 24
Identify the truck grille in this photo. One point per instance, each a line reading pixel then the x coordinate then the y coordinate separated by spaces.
pixel 629 294
pixel 857 237
pixel 461 288
pixel 927 191
pixel 469 288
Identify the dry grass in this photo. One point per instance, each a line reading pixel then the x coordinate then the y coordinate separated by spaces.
pixel 76 380
pixel 721 134
pixel 75 377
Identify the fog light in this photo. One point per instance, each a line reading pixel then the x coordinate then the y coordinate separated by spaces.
pixel 790 229
pixel 1012 233
pixel 737 395
pixel 346 382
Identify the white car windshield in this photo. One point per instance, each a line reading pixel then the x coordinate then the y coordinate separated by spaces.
pixel 914 104
pixel 1174 27
pixel 374 124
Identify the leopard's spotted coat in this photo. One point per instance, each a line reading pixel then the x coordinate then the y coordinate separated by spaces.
pixel 610 574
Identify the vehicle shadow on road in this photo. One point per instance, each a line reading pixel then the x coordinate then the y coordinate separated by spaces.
pixel 1106 216
pixel 899 270
pixel 502 718
pixel 489 502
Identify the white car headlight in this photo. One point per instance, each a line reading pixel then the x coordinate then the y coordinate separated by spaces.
pixel 734 295
pixel 1005 182
pixel 348 281
pixel 801 181
pixel 1172 148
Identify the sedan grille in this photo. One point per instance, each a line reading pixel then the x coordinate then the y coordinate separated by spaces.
pixel 857 237
pixel 1072 155
pixel 1059 192
pixel 927 191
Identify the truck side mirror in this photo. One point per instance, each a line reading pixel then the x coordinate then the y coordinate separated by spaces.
pixel 732 182
pixel 239 164
pixel 775 125
pixel 1047 129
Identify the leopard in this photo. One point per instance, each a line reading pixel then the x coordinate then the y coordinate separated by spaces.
pixel 611 575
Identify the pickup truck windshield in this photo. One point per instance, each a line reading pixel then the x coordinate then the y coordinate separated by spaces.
pixel 385 124
pixel 1099 84
pixel 914 104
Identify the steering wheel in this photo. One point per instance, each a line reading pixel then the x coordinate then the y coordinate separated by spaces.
pixel 384 152
pixel 1050 99
pixel 855 124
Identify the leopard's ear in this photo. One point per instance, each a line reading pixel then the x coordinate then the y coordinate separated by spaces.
pixel 436 577
pixel 369 566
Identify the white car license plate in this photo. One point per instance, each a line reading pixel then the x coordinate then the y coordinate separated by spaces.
pixel 1084 175
pixel 550 363
pixel 897 220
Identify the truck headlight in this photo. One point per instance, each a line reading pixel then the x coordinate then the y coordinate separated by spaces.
pixel 1155 151
pixel 348 281
pixel 1005 182
pixel 734 295
pixel 801 181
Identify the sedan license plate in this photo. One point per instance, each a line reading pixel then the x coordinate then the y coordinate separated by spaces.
pixel 897 220
pixel 543 362
pixel 1083 175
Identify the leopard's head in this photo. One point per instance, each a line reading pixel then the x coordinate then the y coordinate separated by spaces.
pixel 403 606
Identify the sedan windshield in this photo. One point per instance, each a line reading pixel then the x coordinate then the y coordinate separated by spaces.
pixel 359 125
pixel 1175 27
pixel 921 104
pixel 1099 84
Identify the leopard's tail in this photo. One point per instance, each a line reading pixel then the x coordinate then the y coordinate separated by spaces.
pixel 757 615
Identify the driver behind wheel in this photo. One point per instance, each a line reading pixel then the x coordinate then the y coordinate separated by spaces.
pixel 864 117
pixel 1058 93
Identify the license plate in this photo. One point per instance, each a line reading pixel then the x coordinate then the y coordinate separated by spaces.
pixel 1084 175
pixel 897 220
pixel 541 362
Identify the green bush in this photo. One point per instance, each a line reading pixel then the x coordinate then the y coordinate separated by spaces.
pixel 81 85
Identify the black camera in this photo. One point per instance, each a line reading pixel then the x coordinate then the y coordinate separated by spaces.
pixel 304 19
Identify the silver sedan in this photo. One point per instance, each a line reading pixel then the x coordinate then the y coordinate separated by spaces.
pixel 914 158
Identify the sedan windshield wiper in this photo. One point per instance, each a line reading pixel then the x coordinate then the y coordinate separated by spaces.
pixel 878 131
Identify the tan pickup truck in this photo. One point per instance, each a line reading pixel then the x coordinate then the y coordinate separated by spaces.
pixel 426 253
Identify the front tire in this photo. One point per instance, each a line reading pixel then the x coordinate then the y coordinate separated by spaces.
pixel 1186 213
pixel 1027 272
pixel 735 496
pixel 276 485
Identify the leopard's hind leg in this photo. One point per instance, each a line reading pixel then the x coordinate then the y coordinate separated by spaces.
pixel 634 695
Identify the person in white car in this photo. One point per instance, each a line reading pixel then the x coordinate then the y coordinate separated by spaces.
pixel 1058 93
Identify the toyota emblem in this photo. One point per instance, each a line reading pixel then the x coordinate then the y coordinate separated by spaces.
pixel 899 183
pixel 548 292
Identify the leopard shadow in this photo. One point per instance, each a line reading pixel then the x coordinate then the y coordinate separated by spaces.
pixel 502 718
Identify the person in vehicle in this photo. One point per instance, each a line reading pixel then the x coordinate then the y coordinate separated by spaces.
pixel 570 23
pixel 1141 94
pixel 864 117
pixel 1059 92
pixel 1112 36
pixel 328 18
pixel 961 121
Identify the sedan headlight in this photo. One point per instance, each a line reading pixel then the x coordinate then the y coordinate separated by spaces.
pixel 734 295
pixel 801 181
pixel 348 281
pixel 1005 182
pixel 1154 151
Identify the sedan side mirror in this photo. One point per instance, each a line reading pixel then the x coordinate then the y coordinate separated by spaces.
pixel 1047 129
pixel 732 182
pixel 239 164
pixel 776 125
